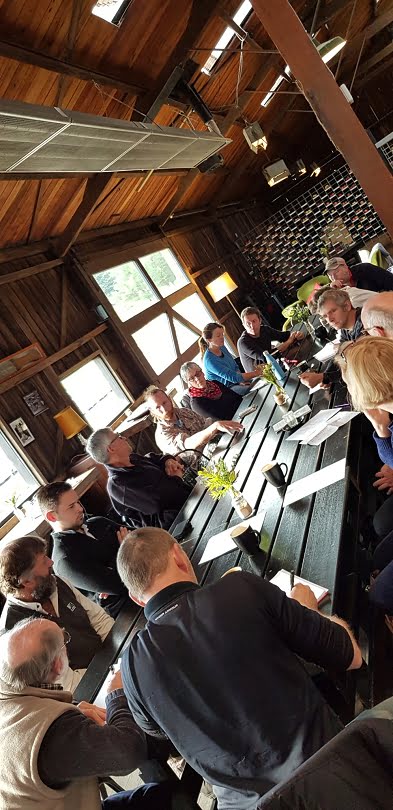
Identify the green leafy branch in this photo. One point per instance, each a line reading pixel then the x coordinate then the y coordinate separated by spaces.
pixel 270 377
pixel 219 479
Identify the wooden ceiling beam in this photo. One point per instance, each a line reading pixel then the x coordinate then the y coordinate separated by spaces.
pixel 375 60
pixel 372 74
pixel 95 186
pixel 82 176
pixel 200 14
pixel 125 82
pixel 17 275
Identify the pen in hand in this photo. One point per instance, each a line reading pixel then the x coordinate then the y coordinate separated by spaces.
pixel 291 580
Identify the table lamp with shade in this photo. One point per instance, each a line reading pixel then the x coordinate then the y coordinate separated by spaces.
pixel 71 424
pixel 221 287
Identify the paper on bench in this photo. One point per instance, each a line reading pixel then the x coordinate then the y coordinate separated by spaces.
pixel 222 543
pixel 314 482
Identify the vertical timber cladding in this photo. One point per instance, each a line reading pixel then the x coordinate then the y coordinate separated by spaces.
pixel 285 249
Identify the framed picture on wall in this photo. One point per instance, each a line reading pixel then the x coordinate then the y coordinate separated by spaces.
pixel 22 432
pixel 20 360
pixel 35 402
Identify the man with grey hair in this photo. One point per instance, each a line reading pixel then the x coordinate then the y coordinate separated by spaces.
pixel 216 668
pixel 365 276
pixel 334 306
pixel 145 490
pixel 52 751
pixel 257 339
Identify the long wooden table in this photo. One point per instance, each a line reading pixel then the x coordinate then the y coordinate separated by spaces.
pixel 315 536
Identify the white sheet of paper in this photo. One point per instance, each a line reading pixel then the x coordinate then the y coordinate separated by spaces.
pixel 222 543
pixel 283 580
pixel 326 353
pixel 313 426
pixel 314 482
pixel 343 417
pixel 100 698
pixel 323 434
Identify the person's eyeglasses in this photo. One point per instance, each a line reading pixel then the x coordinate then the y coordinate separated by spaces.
pixel 66 637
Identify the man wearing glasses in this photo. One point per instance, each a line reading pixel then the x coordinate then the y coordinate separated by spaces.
pixel 335 308
pixel 33 591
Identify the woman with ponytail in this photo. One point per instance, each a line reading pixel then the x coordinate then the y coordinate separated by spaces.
pixel 218 363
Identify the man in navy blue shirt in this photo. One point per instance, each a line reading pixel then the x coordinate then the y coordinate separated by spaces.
pixel 216 669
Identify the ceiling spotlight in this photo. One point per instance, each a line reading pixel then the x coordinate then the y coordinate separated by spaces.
pixel 301 167
pixel 315 169
pixel 276 172
pixel 255 137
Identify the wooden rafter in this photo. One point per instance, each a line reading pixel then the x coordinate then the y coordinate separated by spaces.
pixel 18 275
pixel 375 60
pixel 95 186
pixel 46 362
pixel 121 81
pixel 200 14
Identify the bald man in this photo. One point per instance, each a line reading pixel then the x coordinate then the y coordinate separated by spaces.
pixel 52 752
pixel 216 668
pixel 377 315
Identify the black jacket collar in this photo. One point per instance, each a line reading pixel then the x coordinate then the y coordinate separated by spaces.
pixel 159 602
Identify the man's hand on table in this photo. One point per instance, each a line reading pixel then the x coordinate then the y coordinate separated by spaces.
pixel 228 426
pixel 114 682
pixel 380 421
pixel 311 378
pixel 304 595
pixel 174 467
pixel 296 336
pixel 92 712
pixel 384 480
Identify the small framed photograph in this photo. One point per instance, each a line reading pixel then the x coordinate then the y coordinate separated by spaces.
pixel 22 432
pixel 35 402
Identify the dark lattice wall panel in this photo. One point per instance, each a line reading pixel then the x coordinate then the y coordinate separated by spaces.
pixel 285 249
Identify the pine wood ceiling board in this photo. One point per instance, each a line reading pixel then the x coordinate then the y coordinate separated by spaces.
pixel 202 191
pixel 59 200
pixel 150 201
pixel 13 221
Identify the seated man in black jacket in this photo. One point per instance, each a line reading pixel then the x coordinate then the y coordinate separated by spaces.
pixel 257 339
pixel 84 549
pixel 366 276
pixel 146 490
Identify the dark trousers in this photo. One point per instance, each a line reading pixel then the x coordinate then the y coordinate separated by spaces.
pixel 382 590
pixel 156 796
pixel 383 518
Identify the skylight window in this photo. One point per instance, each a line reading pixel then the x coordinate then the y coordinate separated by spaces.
pixel 239 18
pixel 274 87
pixel 110 10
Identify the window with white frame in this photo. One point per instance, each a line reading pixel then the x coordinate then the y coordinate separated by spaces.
pixel 96 392
pixel 17 482
pixel 159 309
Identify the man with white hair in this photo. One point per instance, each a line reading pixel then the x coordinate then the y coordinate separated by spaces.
pixel 365 276
pixel 146 490
pixel 52 752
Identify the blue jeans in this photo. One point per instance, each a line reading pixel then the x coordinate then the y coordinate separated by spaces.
pixel 156 796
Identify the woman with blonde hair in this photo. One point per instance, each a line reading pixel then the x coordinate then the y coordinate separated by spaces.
pixel 218 363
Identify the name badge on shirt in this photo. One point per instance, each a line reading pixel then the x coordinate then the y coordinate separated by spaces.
pixel 71 606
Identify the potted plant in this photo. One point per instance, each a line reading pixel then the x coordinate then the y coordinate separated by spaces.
pixel 220 479
pixel 279 394
pixel 18 511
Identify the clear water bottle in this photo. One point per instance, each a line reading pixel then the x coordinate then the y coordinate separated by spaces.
pixel 277 370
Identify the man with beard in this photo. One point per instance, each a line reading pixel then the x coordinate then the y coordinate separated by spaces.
pixel 32 590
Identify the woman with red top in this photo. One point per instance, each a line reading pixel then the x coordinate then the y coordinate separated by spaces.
pixel 208 397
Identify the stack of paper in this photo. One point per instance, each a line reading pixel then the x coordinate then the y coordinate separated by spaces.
pixel 315 482
pixel 321 426
pixel 283 581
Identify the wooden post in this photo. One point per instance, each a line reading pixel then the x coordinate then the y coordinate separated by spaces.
pixel 330 107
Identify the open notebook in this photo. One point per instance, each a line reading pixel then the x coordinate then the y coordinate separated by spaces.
pixel 283 580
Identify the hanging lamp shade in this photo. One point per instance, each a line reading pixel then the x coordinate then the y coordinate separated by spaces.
pixel 327 50
pixel 69 422
pixel 221 286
